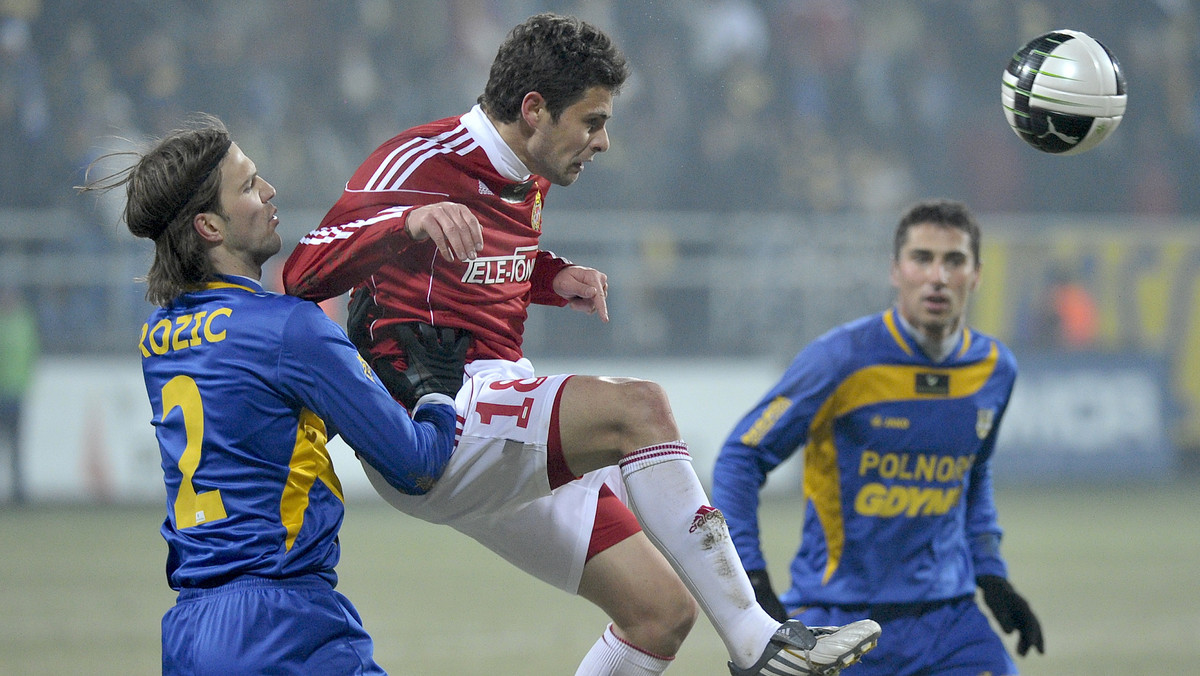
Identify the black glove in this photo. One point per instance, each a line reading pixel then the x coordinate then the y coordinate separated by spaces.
pixel 436 357
pixel 1012 612
pixel 765 595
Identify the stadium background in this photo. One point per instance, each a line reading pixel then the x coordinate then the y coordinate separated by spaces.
pixel 760 157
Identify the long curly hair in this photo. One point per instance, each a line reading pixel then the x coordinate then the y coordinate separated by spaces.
pixel 165 188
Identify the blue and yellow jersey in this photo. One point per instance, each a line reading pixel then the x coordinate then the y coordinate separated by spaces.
pixel 897 486
pixel 246 387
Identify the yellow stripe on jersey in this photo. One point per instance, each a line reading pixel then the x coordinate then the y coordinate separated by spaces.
pixel 966 343
pixel 865 387
pixel 310 461
pixel 889 320
pixel 228 285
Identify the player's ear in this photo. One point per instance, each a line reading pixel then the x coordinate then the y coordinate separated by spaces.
pixel 533 109
pixel 208 226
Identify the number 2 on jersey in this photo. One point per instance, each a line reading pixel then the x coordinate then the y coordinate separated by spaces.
pixel 191 509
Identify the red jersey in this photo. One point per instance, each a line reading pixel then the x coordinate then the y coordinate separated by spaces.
pixel 362 243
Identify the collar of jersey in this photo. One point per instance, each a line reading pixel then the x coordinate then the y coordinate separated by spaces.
pixel 235 282
pixel 902 334
pixel 503 158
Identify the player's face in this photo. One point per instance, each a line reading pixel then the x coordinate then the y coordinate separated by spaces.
pixel 935 274
pixel 249 227
pixel 559 148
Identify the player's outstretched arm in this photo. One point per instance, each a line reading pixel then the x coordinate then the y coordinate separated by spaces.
pixel 322 371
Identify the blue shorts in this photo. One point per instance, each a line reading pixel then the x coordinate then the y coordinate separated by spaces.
pixel 260 626
pixel 934 639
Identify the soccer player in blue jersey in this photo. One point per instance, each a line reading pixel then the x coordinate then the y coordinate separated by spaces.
pixel 897 414
pixel 246 388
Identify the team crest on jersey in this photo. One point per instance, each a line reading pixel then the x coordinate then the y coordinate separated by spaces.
pixel 983 422
pixel 535 220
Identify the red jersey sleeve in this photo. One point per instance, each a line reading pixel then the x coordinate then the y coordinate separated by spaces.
pixel 541 283
pixel 348 246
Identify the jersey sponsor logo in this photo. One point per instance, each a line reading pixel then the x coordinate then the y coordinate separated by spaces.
pixel 704 516
pixel 933 383
pixel 186 331
pixel 984 420
pixel 926 467
pixel 770 415
pixel 514 268
pixel 888 498
pixel 366 368
pixel 876 499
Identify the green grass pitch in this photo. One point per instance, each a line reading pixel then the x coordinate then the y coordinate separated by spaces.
pixel 1112 571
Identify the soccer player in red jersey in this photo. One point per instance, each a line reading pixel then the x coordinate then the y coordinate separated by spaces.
pixel 440 226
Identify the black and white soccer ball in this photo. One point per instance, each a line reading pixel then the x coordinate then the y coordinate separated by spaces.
pixel 1063 92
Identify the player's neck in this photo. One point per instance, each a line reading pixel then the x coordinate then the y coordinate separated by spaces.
pixel 516 136
pixel 225 264
pixel 937 341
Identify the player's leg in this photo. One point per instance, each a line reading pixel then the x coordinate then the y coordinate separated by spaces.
pixel 652 612
pixel 629 422
pixel 626 421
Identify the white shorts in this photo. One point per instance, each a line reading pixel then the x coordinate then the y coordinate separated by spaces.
pixel 495 486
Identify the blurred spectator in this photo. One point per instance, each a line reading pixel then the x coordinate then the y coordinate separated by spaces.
pixel 1069 318
pixel 19 347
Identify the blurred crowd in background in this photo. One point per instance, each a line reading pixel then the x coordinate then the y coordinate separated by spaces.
pixel 806 110
pixel 821 106
pixel 758 150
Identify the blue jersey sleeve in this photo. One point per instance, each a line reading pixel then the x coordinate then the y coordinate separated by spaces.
pixel 982 523
pixel 769 434
pixel 321 368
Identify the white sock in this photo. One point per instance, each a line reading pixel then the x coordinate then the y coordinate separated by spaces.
pixel 611 656
pixel 675 514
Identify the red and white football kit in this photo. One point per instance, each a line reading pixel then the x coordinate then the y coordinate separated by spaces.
pixel 506 484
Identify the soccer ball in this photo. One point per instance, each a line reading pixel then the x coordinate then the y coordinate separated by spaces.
pixel 1063 92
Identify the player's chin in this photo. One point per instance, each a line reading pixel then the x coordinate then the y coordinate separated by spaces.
pixel 567 178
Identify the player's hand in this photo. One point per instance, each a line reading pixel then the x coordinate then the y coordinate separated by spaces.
pixel 1012 612
pixel 765 595
pixel 586 289
pixel 452 227
pixel 435 356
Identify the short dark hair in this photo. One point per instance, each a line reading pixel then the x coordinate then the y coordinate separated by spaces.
pixel 559 57
pixel 165 188
pixel 941 212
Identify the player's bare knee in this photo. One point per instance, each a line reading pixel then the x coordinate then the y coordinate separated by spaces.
pixel 648 416
pixel 661 627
